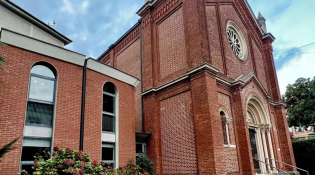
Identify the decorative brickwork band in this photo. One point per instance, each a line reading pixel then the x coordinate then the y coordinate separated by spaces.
pixel 165 8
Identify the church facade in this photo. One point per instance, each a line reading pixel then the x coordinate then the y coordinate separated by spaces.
pixel 209 95
pixel 208 101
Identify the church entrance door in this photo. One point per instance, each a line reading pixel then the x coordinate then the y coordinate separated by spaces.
pixel 254 149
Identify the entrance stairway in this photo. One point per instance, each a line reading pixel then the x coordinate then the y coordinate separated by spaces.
pixel 280 172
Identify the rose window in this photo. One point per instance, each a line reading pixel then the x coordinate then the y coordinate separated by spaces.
pixel 236 41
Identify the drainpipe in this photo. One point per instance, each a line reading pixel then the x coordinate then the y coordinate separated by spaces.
pixel 140 20
pixel 83 105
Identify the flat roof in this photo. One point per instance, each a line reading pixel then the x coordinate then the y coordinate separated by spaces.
pixel 29 17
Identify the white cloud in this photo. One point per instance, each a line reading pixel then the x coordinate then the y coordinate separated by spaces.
pixel 300 66
pixel 67 7
pixel 84 6
pixel 293 27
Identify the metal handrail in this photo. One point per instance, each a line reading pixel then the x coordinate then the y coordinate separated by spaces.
pixel 289 165
pixel 271 166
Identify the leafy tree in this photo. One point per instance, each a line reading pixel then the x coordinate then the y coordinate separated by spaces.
pixel 6 148
pixel 2 60
pixel 300 100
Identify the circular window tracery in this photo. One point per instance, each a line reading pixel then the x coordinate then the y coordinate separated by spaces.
pixel 237 41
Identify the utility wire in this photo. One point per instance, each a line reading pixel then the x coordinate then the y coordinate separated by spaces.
pixel 298 54
pixel 295 48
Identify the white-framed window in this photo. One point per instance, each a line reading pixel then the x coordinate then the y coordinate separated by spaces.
pixel 30 147
pixel 109 124
pixel 141 148
pixel 41 96
pixel 39 113
pixel 109 97
pixel 108 153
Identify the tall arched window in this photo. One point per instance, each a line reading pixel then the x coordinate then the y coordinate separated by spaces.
pixel 108 123
pixel 41 96
pixel 109 95
pixel 225 128
pixel 39 113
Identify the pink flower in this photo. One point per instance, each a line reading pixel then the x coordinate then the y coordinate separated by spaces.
pixel 103 163
pixel 81 171
pixel 69 161
pixel 79 154
pixel 37 154
pixel 82 164
pixel 59 166
pixel 69 151
pixel 94 164
pixel 76 172
pixel 36 166
pixel 56 148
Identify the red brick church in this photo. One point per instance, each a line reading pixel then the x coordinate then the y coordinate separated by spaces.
pixel 193 85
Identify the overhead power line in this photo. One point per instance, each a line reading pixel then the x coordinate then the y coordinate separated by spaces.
pixel 298 54
pixel 295 48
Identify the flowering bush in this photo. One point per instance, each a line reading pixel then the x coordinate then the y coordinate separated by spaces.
pixel 67 161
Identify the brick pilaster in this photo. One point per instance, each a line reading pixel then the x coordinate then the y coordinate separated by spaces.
pixel 153 124
pixel 208 130
pixel 242 132
pixel 284 137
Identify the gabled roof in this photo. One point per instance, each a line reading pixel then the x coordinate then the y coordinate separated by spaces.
pixel 244 79
pixel 32 19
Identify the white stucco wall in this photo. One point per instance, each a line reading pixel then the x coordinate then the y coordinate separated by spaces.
pixel 13 22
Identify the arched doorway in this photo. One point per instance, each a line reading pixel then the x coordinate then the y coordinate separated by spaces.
pixel 259 133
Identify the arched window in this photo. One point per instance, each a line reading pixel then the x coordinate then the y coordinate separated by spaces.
pixel 108 124
pixel 225 128
pixel 109 95
pixel 39 113
pixel 41 96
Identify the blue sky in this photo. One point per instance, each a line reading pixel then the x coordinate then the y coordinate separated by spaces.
pixel 93 25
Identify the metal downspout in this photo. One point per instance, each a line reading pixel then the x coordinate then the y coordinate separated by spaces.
pixel 140 20
pixel 83 105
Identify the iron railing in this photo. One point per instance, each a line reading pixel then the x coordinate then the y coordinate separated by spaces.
pixel 271 166
pixel 289 165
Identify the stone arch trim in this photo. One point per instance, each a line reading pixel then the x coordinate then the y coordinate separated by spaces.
pixel 260 109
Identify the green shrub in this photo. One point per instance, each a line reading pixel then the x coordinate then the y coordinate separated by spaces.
pixel 304 153
pixel 144 162
pixel 67 161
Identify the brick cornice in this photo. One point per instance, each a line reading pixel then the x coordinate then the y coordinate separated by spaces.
pixel 160 12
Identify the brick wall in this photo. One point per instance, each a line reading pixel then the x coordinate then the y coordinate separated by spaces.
pixel 129 61
pixel 171 47
pixel 14 79
pixel 93 117
pixel 231 159
pixel 260 66
pixel 235 67
pixel 230 153
pixel 214 37
pixel 178 136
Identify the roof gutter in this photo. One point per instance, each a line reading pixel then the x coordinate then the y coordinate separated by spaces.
pixel 83 105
